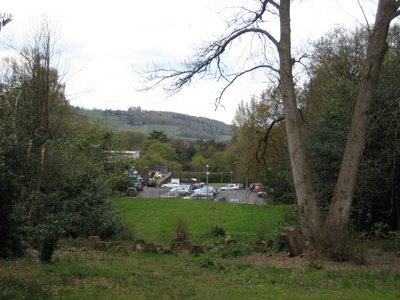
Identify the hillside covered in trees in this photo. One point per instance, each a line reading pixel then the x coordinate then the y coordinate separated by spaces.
pixel 176 125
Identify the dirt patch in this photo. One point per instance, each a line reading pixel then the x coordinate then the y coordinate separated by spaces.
pixel 375 260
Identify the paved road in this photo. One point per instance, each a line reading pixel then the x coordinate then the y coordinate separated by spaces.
pixel 245 196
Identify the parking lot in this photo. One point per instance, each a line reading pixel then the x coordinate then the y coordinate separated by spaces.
pixel 244 196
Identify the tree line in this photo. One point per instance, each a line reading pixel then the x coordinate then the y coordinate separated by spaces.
pixel 188 126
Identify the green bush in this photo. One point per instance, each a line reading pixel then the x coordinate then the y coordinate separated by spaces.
pixel 208 263
pixel 217 231
pixel 394 236
pixel 278 244
pixel 262 231
pixel 181 230
pixel 44 239
pixel 11 244
pixel 231 251
pixel 341 245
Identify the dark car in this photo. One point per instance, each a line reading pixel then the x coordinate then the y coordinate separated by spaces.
pixel 151 182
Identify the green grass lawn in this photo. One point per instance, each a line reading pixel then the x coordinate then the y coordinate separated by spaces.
pixel 154 219
pixel 82 273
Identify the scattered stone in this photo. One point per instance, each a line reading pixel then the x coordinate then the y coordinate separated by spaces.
pixel 100 246
pixel 120 249
pixel 93 239
pixel 160 249
pixel 138 245
pixel 188 249
pixel 149 248
pixel 179 244
pixel 115 244
pixel 197 249
pixel 175 245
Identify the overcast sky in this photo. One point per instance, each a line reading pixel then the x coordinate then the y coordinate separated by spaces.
pixel 104 40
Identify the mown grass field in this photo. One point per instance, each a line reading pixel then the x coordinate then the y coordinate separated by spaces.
pixel 77 272
pixel 154 219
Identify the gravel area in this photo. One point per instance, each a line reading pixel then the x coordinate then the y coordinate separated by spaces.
pixel 375 260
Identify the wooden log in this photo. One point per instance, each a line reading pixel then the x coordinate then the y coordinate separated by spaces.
pixel 293 240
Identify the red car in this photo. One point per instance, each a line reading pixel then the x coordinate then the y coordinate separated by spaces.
pixel 258 188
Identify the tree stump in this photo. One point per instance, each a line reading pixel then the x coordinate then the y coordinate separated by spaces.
pixel 293 240
pixel 138 245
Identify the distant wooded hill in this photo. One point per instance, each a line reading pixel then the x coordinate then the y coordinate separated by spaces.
pixel 175 125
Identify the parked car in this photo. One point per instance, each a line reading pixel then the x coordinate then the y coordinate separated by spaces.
pixel 151 182
pixel 138 185
pixel 260 194
pixel 182 190
pixel 258 188
pixel 253 185
pixel 230 187
pixel 170 185
pixel 196 186
pixel 205 193
pixel 234 201
pixel 171 194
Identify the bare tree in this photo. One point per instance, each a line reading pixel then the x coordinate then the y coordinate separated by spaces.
pixel 250 26
pixel 5 19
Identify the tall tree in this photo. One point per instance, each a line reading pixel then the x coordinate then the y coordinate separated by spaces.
pixel 336 73
pixel 339 211
pixel 250 24
pixel 160 136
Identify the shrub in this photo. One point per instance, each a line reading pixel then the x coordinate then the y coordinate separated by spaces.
pixel 290 217
pixel 380 230
pixel 231 251
pixel 315 264
pixel 45 240
pixel 11 244
pixel 341 245
pixel 262 231
pixel 181 230
pixel 217 231
pixel 394 236
pixel 208 263
pixel 278 244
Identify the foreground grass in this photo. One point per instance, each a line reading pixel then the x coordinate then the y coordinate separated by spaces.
pixel 151 276
pixel 80 273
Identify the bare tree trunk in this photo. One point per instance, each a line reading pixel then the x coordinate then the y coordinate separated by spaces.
pixel 339 212
pixel 306 196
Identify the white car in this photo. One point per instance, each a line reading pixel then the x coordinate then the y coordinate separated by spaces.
pixel 182 190
pixel 230 187
pixel 170 185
